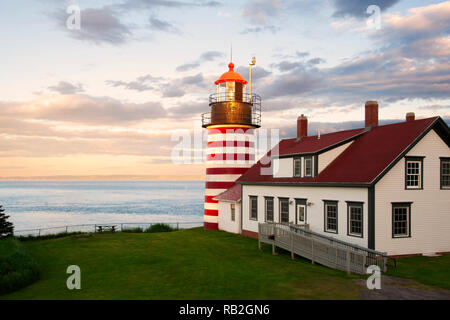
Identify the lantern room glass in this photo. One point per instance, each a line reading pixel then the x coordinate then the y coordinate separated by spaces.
pixel 226 91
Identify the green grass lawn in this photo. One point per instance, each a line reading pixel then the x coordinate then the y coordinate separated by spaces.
pixel 194 264
pixel 430 271
pixel 187 264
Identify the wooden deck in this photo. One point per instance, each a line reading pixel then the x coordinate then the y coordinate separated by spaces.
pixel 320 249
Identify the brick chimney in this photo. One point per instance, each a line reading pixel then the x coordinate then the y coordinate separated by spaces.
pixel 410 116
pixel 371 114
pixel 302 127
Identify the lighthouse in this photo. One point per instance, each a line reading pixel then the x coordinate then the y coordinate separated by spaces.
pixel 235 113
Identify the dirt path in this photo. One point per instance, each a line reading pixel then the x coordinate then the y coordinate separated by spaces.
pixel 402 289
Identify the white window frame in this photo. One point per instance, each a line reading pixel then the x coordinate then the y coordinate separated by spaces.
pixel 349 219
pixel 419 175
pixel 280 209
pixel 299 162
pixel 408 220
pixel 331 204
pixel 310 159
pixel 266 199
pixel 250 206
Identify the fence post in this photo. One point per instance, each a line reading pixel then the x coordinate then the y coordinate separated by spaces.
pixel 385 264
pixel 95 228
pixel 312 250
pixel 348 261
pixel 364 263
pixel 39 233
pixel 178 226
pixel 273 241
pixel 66 229
pixel 292 245
pixel 259 236
pixel 336 258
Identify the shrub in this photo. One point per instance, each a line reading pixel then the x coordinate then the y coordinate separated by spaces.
pixel 133 230
pixel 6 227
pixel 17 268
pixel 50 236
pixel 159 227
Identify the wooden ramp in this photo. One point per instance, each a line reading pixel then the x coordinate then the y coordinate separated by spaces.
pixel 320 249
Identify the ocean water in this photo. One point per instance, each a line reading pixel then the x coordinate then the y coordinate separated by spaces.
pixel 43 204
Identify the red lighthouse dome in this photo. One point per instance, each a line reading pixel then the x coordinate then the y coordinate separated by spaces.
pixel 231 76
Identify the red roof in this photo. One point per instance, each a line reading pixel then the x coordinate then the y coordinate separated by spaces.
pixel 361 163
pixel 231 76
pixel 232 194
pixel 312 144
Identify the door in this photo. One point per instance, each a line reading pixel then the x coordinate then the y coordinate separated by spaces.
pixel 301 214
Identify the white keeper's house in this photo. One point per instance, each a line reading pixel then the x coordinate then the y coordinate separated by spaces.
pixel 383 187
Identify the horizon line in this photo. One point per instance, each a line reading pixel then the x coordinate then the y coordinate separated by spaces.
pixel 106 178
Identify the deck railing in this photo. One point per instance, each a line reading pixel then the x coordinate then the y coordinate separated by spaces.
pixel 120 226
pixel 318 248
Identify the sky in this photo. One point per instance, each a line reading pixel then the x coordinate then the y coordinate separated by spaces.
pixel 108 98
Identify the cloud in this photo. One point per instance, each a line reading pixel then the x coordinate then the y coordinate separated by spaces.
pixel 260 29
pixel 172 91
pixel 257 72
pixel 358 8
pixel 187 66
pixel 104 25
pixel 294 83
pixel 58 125
pixel 83 109
pixel 140 84
pixel 411 62
pixel 388 75
pixel 435 107
pixel 64 87
pixel 98 25
pixel 152 4
pixel 188 110
pixel 164 26
pixel 411 59
pixel 422 33
pixel 204 57
pixel 211 55
pixel 259 12
pixel 316 61
pixel 169 88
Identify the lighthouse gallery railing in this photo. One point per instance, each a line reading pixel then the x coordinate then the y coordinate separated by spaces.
pixel 253 99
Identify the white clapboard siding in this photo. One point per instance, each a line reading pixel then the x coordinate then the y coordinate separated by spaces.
pixel 430 210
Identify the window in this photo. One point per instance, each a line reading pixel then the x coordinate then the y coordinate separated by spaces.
pixel 297 167
pixel 253 207
pixel 331 216
pixel 233 212
pixel 414 173
pixel 300 213
pixel 269 209
pixel 401 220
pixel 308 167
pixel 445 173
pixel 284 210
pixel 355 219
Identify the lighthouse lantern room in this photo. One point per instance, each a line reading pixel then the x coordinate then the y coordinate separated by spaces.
pixel 235 113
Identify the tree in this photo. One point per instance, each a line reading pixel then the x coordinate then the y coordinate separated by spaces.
pixel 6 227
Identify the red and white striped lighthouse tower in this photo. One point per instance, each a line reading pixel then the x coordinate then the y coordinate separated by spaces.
pixel 235 113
